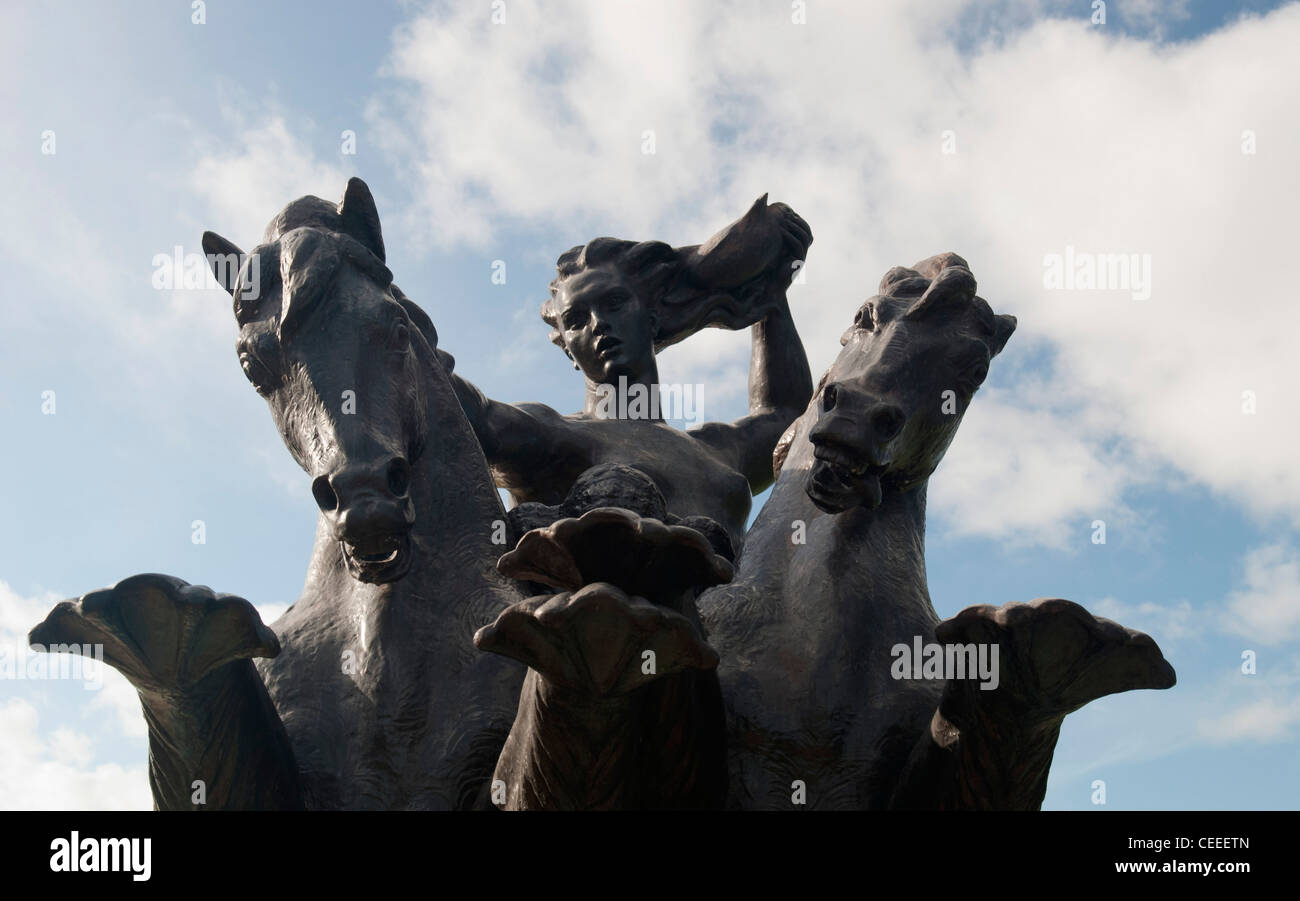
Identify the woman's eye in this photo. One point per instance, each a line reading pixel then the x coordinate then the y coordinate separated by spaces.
pixel 865 319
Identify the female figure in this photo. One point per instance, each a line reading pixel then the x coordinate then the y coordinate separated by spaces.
pixel 613 305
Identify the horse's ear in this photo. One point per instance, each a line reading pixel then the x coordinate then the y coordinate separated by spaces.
pixel 1003 326
pixel 224 258
pixel 930 267
pixel 953 286
pixel 361 217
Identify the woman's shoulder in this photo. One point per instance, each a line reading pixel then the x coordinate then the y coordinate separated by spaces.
pixel 539 411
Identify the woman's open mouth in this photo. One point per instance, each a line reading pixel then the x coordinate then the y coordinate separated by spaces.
pixel 608 347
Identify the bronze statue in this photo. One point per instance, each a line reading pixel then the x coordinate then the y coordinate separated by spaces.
pixel 613 305
pixel 621 707
pixel 385 701
pixel 215 739
pixel 833 579
pixel 629 669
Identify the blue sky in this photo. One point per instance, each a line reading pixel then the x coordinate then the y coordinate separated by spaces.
pixel 516 141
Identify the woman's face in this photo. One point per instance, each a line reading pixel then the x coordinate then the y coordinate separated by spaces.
pixel 607 326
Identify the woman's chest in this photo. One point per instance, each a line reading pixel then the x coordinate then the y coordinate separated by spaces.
pixel 692 480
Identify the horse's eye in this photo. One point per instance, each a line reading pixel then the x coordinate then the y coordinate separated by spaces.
pixel 399 340
pixel 256 373
pixel 974 375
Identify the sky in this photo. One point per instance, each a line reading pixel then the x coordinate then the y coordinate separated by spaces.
pixel 1011 132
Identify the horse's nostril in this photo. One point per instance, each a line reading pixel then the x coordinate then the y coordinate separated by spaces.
pixel 326 499
pixel 399 477
pixel 829 394
pixel 886 422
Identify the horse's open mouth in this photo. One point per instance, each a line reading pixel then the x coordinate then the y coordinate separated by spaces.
pixel 837 481
pixel 381 558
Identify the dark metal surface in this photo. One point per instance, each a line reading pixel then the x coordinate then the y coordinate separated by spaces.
pixel 627 667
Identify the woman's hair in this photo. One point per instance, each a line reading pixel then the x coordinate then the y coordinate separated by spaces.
pixel 651 265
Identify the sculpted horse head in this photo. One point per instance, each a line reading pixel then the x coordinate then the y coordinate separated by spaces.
pixel 369 692
pixel 833 572
pixel 384 697
pixel 324 338
pixel 809 631
pixel 894 398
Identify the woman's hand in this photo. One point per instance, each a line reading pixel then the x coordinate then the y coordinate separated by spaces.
pixel 794 230
pixel 767 236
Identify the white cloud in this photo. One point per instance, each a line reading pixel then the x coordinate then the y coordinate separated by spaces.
pixel 49 766
pixel 19 613
pixel 1267 720
pixel 1145 725
pixel 1024 474
pixel 1234 708
pixel 72 748
pixel 549 112
pixel 1066 135
pixel 120 696
pixel 1264 608
pixel 1152 15
pixel 718 361
pixel 1267 609
pixel 271 612
pixel 72 772
pixel 1166 623
pixel 41 770
pixel 1262 707
pixel 270 163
